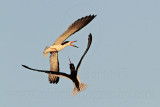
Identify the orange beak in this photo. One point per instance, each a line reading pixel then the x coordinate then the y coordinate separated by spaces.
pixel 73 45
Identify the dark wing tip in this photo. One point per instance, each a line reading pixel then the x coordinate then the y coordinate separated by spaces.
pixel 25 66
pixel 89 38
pixel 93 15
pixel 84 21
pixel 90 17
pixel 90 35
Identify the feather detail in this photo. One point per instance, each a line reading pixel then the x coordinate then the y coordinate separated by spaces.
pixel 81 88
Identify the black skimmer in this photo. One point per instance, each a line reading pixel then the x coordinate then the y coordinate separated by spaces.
pixel 78 86
pixel 60 43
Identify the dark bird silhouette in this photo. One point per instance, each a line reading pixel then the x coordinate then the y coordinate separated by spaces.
pixel 78 86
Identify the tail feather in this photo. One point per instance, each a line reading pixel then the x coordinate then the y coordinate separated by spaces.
pixel 81 88
pixel 53 79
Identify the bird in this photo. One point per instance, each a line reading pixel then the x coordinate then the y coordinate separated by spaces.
pixel 78 85
pixel 60 43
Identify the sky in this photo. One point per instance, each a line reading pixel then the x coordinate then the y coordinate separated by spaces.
pixel 121 67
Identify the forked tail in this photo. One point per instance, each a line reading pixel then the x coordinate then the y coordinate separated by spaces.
pixel 81 88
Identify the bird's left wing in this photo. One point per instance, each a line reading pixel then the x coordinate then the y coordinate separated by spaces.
pixel 88 46
pixel 59 74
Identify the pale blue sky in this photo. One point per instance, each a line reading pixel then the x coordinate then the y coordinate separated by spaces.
pixel 121 69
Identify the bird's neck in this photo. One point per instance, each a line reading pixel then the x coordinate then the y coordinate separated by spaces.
pixel 73 72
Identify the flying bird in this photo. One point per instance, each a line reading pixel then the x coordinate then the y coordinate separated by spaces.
pixel 60 43
pixel 78 86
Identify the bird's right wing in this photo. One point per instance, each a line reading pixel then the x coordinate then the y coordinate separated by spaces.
pixel 74 27
pixel 59 74
pixel 88 46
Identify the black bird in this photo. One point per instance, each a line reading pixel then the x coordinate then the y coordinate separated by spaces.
pixel 78 86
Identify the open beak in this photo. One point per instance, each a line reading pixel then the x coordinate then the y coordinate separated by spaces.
pixel 73 45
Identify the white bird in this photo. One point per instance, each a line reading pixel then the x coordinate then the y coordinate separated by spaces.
pixel 78 86
pixel 60 43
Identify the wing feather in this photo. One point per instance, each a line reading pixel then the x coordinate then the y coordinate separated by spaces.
pixel 73 28
pixel 59 74
pixel 54 63
pixel 88 46
pixel 54 66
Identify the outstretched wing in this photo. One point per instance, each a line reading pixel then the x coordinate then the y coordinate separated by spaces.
pixel 88 46
pixel 76 26
pixel 59 74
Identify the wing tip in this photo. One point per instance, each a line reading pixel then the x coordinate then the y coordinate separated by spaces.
pixel 53 79
pixel 25 66
pixel 92 15
pixel 90 37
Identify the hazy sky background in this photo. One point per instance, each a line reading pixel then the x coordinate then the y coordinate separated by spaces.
pixel 121 69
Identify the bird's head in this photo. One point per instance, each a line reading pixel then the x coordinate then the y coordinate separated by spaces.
pixel 72 68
